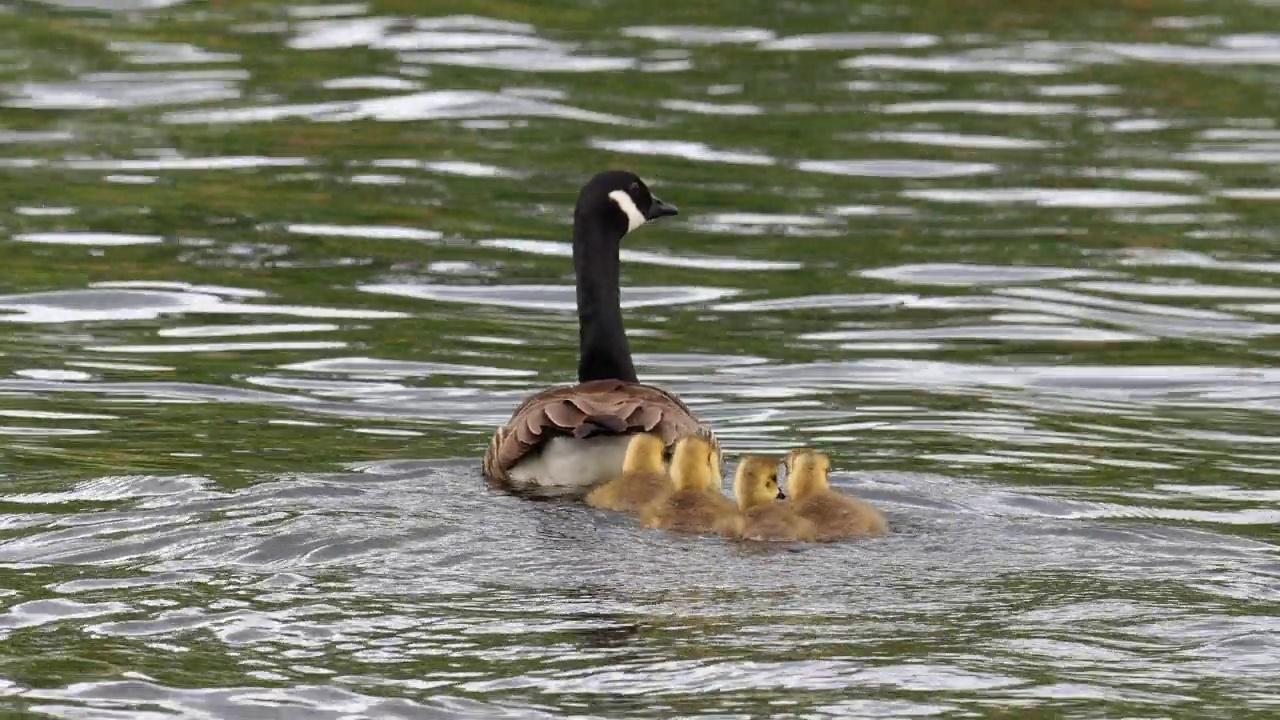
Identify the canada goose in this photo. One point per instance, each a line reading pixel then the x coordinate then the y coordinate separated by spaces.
pixel 576 436
pixel 755 484
pixel 696 504
pixel 643 478
pixel 835 516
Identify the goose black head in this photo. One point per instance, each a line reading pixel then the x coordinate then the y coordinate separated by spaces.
pixel 622 200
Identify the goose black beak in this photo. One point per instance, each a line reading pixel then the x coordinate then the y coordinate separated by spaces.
pixel 658 209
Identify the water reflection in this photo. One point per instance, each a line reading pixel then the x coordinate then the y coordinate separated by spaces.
pixel 438 105
pixel 277 271
pixel 688 150
pixel 118 90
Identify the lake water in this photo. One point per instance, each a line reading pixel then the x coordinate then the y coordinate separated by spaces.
pixel 274 272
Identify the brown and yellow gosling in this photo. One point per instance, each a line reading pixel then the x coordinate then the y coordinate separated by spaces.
pixel 695 504
pixel 756 486
pixel 643 478
pixel 835 516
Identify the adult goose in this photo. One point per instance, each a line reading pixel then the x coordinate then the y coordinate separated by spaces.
pixel 576 436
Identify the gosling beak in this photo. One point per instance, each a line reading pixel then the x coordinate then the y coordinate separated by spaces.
pixel 659 209
pixel 781 495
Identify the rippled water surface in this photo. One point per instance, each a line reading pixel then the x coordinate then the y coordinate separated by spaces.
pixel 273 273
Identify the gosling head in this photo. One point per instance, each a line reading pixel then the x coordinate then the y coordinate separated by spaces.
pixel 644 454
pixel 809 472
pixel 756 482
pixel 622 200
pixel 691 464
pixel 790 459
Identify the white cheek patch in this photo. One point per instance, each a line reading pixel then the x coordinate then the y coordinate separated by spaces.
pixel 635 218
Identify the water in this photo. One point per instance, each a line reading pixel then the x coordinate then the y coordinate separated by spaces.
pixel 274 272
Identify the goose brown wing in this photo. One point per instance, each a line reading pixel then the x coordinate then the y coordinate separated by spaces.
pixel 599 407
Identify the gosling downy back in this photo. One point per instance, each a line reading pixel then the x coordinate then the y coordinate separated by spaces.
pixel 644 454
pixel 695 465
pixel 835 516
pixel 643 478
pixel 693 505
pixel 808 473
pixel 790 459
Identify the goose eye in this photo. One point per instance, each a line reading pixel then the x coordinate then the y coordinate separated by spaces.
pixel 635 187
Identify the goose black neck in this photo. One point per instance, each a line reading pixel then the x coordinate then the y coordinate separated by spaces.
pixel 603 352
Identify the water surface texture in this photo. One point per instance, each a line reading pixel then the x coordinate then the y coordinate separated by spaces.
pixel 273 273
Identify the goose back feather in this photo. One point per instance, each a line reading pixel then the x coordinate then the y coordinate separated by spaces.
pixel 587 410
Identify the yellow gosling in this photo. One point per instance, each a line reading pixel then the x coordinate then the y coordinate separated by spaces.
pixel 643 478
pixel 693 506
pixel 834 515
pixel 756 486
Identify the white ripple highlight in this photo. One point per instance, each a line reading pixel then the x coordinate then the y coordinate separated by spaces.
pixel 955 64
pixel 980 107
pixel 897 168
pixel 422 106
pixel 87 238
pixel 1054 197
pixel 696 151
pixel 558 249
pixel 553 298
pixel 209 331
pixel 979 142
pixel 217 347
pixel 191 163
pixel 853 41
pixel 369 232
pixel 699 34
pixel 969 274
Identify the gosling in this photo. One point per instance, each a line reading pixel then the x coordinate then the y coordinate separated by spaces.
pixel 835 516
pixel 643 478
pixel 695 505
pixel 756 486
